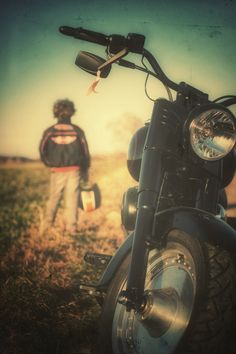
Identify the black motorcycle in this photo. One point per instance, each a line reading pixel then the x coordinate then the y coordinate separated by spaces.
pixel 171 286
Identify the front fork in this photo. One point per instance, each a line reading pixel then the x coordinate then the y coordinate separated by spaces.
pixel 152 176
pixel 132 297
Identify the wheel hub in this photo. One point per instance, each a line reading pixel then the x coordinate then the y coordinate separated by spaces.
pixel 161 321
pixel 159 311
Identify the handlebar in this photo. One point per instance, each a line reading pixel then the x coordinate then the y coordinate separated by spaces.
pixel 133 42
pixel 85 35
pixel 229 102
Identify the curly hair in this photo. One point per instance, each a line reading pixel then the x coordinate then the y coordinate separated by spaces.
pixel 63 109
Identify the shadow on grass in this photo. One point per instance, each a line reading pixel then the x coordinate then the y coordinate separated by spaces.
pixel 41 308
pixel 45 318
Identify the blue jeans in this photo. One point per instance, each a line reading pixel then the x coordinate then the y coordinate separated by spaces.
pixel 67 182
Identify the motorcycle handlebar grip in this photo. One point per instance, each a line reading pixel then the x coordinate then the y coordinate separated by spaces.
pixel 86 35
pixel 68 31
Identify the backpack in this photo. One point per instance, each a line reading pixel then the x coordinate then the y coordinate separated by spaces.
pixel 63 145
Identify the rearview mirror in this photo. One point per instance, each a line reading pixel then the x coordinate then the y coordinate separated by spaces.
pixel 90 63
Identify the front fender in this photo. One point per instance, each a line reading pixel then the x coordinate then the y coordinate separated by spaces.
pixel 115 262
pixel 197 223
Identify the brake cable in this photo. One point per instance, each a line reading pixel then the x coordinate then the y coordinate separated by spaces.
pixel 147 77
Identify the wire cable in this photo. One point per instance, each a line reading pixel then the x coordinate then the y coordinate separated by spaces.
pixel 147 77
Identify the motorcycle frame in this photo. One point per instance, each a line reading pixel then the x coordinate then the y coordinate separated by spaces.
pixel 154 222
pixel 157 147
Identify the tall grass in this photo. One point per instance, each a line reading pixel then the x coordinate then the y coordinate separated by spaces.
pixel 41 307
pixel 42 310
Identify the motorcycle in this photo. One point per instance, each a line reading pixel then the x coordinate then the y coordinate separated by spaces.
pixel 170 287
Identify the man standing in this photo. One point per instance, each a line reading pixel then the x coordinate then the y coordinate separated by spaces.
pixel 64 149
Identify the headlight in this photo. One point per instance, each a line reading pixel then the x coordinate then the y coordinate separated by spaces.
pixel 212 132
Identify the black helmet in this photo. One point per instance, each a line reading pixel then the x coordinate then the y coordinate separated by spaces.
pixel 63 109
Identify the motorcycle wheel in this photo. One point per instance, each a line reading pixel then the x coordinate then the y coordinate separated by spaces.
pixel 203 279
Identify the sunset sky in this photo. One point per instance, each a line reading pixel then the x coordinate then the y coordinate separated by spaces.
pixel 193 41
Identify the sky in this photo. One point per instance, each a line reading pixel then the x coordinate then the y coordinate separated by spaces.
pixel 193 42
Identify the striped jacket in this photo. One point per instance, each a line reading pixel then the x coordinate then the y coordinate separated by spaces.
pixel 64 147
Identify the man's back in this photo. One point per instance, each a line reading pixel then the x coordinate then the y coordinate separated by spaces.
pixel 64 145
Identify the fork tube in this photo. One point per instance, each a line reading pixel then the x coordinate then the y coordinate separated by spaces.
pixel 151 176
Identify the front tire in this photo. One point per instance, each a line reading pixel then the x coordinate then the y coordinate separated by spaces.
pixel 203 276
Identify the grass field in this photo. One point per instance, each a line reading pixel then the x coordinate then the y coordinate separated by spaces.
pixel 41 308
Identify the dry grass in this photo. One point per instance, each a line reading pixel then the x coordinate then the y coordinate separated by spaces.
pixel 41 308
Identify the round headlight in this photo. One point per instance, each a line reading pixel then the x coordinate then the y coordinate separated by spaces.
pixel 212 132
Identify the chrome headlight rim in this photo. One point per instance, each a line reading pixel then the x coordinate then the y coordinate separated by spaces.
pixel 193 119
